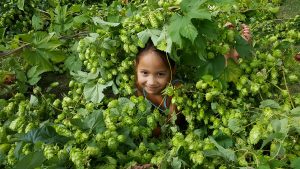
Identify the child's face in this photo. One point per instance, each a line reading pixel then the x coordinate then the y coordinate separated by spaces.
pixel 153 75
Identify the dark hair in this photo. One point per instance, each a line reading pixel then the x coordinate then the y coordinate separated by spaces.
pixel 150 47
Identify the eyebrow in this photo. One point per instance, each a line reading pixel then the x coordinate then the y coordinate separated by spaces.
pixel 160 71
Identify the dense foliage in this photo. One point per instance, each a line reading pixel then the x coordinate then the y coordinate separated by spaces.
pixel 244 113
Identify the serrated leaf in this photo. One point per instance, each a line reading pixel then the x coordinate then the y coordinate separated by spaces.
pixel 46 134
pixel 98 20
pixel 269 103
pixel 33 100
pixel 73 63
pixel 164 42
pixel 93 122
pixel 207 29
pixel 109 44
pixel 84 77
pixel 188 5
pixel 20 4
pixel 176 163
pixel 272 136
pixel 213 67
pixel 199 14
pixel 36 59
pixel 200 47
pixel 211 153
pixel 224 140
pixel 228 154
pixel 243 47
pixel 30 161
pixel 92 37
pixel 281 125
pixel 2 32
pixel 149 33
pixel 295 111
pixel 37 22
pixel 33 74
pixel 234 125
pixel 34 80
pixel 94 92
pixel 295 163
pixel 188 30
pixel 174 29
pixel 35 71
pixel 264 166
pixel 232 72
pixel 80 19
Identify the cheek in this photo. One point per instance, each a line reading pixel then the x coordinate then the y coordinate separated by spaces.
pixel 140 79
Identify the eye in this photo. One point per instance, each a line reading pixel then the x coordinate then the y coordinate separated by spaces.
pixel 160 74
pixel 144 73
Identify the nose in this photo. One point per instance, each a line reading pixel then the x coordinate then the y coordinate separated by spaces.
pixel 151 80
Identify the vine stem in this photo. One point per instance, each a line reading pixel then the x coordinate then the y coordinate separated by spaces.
pixel 7 53
pixel 286 86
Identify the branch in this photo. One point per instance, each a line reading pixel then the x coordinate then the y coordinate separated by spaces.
pixel 7 53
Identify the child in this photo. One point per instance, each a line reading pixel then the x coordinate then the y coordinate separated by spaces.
pixel 154 71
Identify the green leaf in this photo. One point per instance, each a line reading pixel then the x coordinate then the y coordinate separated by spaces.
pixel 30 161
pixel 37 22
pixel 18 150
pixel 263 166
pixel 164 42
pixel 174 28
pixel 56 56
pixel 224 140
pixel 199 14
pixel 191 5
pixel 93 122
pixel 232 72
pixel 33 74
pixel 211 153
pixel 295 163
pixel 73 63
pixel 46 134
pixel 188 30
pixel 84 77
pixel 278 150
pixel 33 100
pixel 295 111
pixel 213 67
pixel 207 29
pixel 234 125
pixel 176 163
pixel 34 80
pixel 20 4
pixel 243 47
pixel 98 20
pixel 149 33
pixel 280 125
pixel 80 19
pixel 92 37
pixel 228 154
pixel 272 136
pixel 269 103
pixel 36 59
pixel 2 32
pixel 94 92
pixel 200 47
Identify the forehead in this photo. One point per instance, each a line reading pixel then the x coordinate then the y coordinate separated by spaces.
pixel 151 60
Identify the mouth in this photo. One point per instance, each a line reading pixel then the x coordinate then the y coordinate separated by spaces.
pixel 151 88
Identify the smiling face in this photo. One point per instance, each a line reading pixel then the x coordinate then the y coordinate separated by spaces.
pixel 153 75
